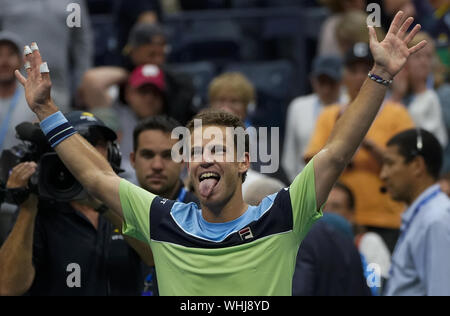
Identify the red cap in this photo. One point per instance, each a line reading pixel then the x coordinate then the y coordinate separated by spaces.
pixel 147 74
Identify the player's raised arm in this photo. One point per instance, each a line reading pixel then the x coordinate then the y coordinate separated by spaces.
pixel 390 56
pixel 90 168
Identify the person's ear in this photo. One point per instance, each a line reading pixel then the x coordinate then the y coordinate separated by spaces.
pixel 244 165
pixel 418 166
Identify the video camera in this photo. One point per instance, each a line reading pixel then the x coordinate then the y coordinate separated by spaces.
pixel 52 180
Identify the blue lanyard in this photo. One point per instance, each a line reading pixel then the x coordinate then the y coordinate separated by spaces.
pixel 182 195
pixel 6 120
pixel 415 212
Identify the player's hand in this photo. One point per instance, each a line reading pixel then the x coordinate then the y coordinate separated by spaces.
pixel 37 84
pixel 391 54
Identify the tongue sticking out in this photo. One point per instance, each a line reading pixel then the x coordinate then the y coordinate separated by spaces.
pixel 206 187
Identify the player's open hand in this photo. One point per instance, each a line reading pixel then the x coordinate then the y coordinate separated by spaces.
pixel 37 84
pixel 391 54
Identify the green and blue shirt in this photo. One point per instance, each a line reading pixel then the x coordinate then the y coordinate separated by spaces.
pixel 254 254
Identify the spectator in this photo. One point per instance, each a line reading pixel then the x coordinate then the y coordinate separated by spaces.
pixel 351 29
pixel 68 50
pixel 411 167
pixel 152 159
pixel 145 95
pixel 156 171
pixel 374 210
pixel 328 44
pixel 392 6
pixel 128 14
pixel 341 202
pixel 328 264
pixel 51 241
pixel 422 101
pixel 303 111
pixel 232 92
pixel 147 44
pixel 13 106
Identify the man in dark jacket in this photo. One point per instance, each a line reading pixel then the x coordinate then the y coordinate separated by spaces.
pixel 328 264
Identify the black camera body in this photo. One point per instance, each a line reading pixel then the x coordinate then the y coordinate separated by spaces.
pixel 52 180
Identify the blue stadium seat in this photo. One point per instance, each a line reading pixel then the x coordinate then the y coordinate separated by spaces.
pixel 309 25
pixel 284 3
pixel 201 73
pixel 216 41
pixel 272 3
pixel 105 40
pixel 239 4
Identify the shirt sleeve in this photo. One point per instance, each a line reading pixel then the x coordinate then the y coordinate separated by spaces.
pixel 136 204
pixel 303 200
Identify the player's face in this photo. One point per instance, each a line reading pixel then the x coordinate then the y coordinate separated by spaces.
pixel 215 172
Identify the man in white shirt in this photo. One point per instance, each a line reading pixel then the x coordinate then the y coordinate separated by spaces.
pixel 303 111
pixel 411 166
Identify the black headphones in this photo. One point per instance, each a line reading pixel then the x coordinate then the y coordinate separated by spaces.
pixel 90 133
pixel 114 156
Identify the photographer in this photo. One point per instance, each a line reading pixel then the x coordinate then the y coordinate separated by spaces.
pixel 67 248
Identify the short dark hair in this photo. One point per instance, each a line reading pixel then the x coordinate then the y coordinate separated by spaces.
pixel 161 123
pixel 348 192
pixel 419 142
pixel 221 118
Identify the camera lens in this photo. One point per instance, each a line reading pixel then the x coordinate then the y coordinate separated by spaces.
pixel 60 178
pixel 55 180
